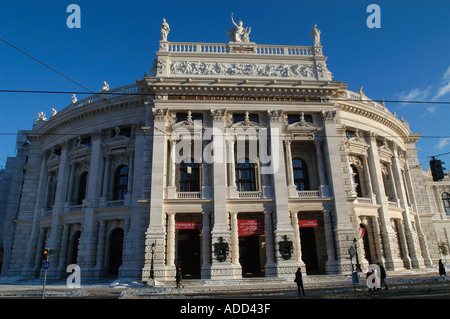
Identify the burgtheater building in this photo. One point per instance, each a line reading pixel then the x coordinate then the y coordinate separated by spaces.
pixel 229 160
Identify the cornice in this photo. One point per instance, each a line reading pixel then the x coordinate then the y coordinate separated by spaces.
pixel 82 113
pixel 381 116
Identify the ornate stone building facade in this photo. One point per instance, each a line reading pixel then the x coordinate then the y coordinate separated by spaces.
pixel 230 160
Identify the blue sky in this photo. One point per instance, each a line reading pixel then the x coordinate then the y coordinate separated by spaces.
pixel 408 58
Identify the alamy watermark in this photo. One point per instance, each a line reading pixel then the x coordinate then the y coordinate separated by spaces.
pixel 374 19
pixel 74 19
pixel 209 146
pixel 74 279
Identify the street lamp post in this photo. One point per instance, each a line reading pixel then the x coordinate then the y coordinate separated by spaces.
pixel 358 266
pixel 152 273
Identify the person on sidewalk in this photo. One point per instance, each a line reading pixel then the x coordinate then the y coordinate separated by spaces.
pixel 299 280
pixel 178 277
pixel 441 269
pixel 383 276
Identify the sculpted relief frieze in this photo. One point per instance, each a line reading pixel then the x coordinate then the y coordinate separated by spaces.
pixel 243 69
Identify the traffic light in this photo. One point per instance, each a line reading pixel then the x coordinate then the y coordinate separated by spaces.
pixel 45 254
pixel 437 171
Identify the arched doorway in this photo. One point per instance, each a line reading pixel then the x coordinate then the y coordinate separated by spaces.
pixel 115 251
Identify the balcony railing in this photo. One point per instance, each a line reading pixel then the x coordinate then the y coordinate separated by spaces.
pixel 308 194
pixel 189 195
pixel 250 194
pixel 221 48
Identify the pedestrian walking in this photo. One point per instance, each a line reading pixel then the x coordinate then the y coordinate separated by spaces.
pixel 441 268
pixel 383 276
pixel 178 277
pixel 299 281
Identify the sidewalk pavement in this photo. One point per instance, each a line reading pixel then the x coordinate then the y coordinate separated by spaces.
pixel 130 288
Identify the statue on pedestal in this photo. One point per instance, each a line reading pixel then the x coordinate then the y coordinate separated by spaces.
pixel 239 33
pixel 316 35
pixel 164 30
pixel 105 87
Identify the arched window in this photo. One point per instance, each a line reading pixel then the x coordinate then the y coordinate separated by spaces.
pixel 245 176
pixel 189 180
pixel 301 179
pixel 356 181
pixel 446 202
pixel 120 183
pixel 82 182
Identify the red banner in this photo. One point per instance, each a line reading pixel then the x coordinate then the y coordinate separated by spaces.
pixel 250 227
pixel 310 223
pixel 188 225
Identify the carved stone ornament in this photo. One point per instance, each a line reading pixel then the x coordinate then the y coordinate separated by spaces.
pixel 329 117
pixel 275 115
pixel 160 114
pixel 221 250
pixel 286 248
pixel 246 69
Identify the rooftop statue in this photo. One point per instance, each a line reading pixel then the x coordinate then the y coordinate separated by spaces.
pixel 164 30
pixel 105 87
pixel 239 33
pixel 316 35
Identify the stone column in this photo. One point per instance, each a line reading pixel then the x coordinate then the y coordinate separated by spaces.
pixel 156 232
pixel 378 240
pixel 387 234
pixel 297 241
pixel 369 180
pixel 343 231
pixel 88 238
pixel 60 197
pixel 170 264
pixel 234 240
pixel 221 229
pixel 289 167
pixel 69 192
pixel 283 227
pixel 206 246
pixel 412 255
pixel 106 176
pixel 331 264
pixel 99 260
pixel 63 250
pixel 133 254
pixel 323 188
pixel 270 267
pixel 36 231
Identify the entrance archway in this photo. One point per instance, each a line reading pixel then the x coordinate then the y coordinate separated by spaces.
pixel 188 253
pixel 115 251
